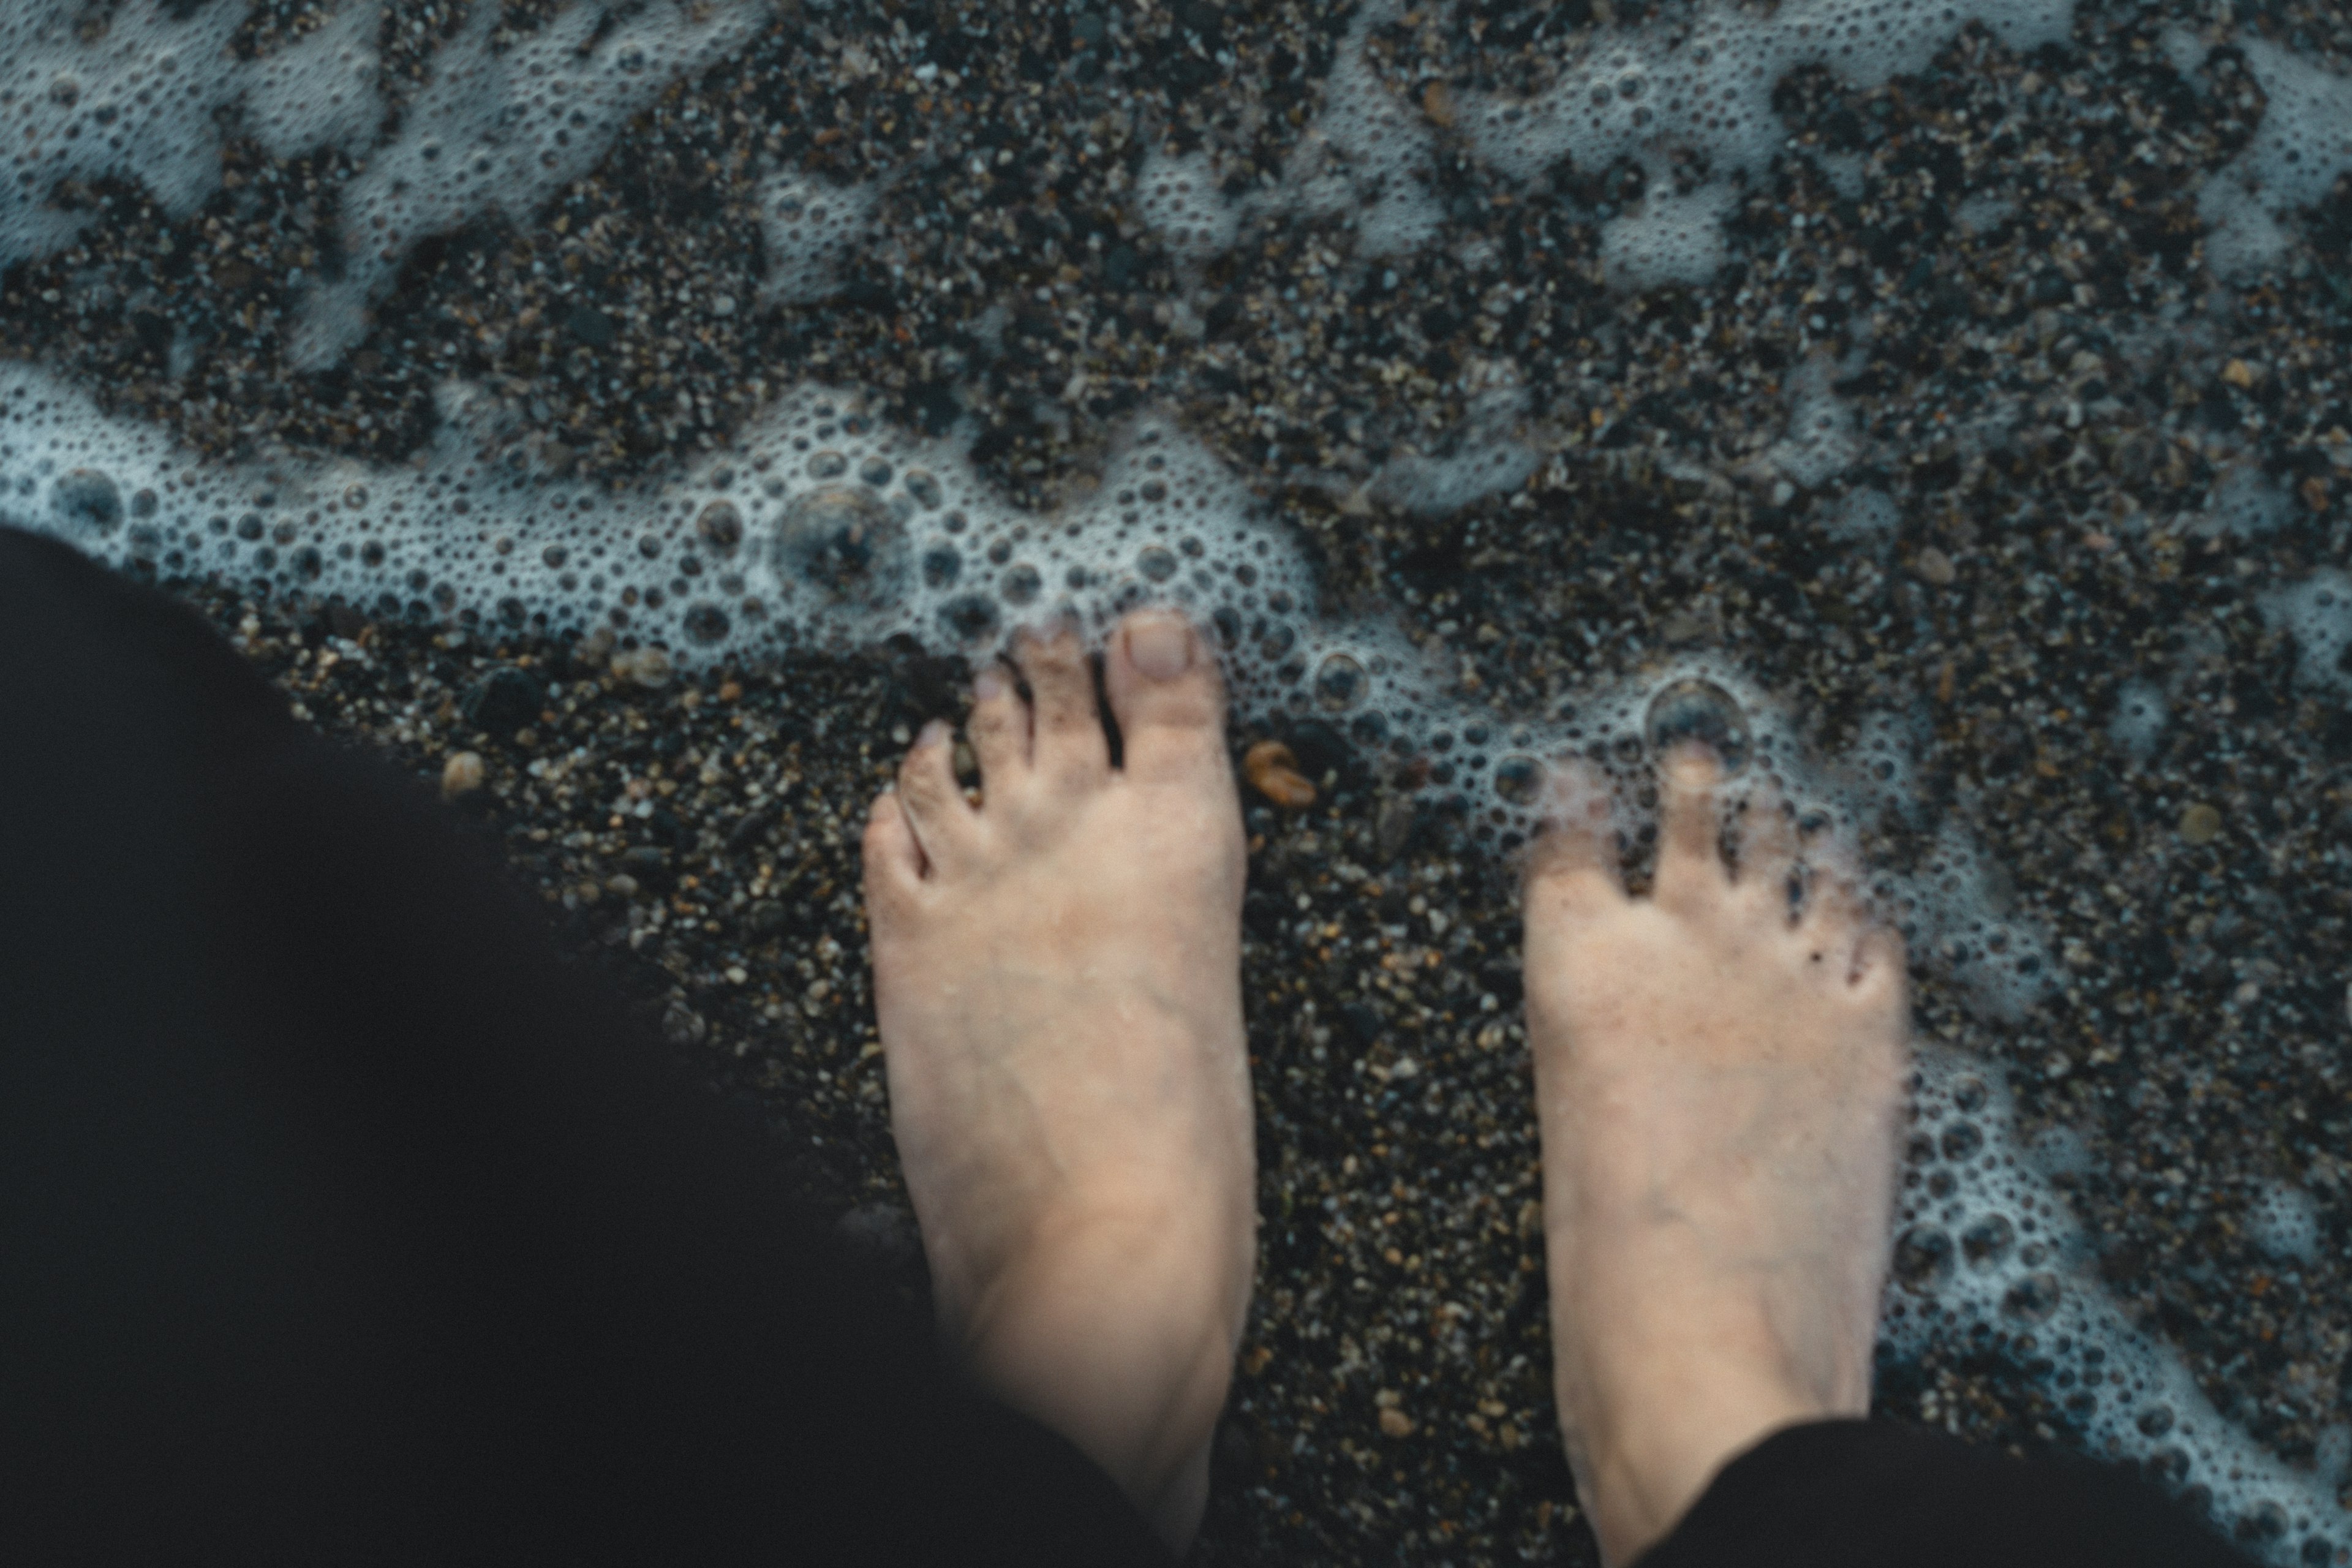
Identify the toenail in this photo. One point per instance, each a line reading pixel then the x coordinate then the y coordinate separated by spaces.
pixel 1161 646
pixel 932 733
pixel 988 685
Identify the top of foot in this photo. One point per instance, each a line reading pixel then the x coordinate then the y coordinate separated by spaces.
pixel 1057 972
pixel 1718 1081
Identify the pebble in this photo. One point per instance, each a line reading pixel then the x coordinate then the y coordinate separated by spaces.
pixel 1933 566
pixel 2201 823
pixel 1395 1423
pixel 1273 771
pixel 461 774
pixel 646 667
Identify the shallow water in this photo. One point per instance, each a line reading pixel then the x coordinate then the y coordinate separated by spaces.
pixel 1959 394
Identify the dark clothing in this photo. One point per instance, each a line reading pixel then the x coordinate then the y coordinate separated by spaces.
pixel 1871 1494
pixel 343 1225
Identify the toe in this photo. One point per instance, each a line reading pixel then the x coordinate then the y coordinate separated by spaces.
pixel 1572 867
pixel 1690 856
pixel 1169 698
pixel 1768 845
pixel 1879 967
pixel 999 728
pixel 930 799
pixel 1069 742
pixel 1833 921
pixel 894 860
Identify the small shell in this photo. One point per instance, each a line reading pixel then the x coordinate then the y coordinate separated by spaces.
pixel 1273 772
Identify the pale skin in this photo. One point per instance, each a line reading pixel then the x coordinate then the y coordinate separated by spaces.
pixel 1057 978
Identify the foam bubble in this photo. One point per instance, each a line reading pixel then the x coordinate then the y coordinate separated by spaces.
pixel 1178 198
pixel 2244 503
pixel 1988 1253
pixel 1703 86
pixel 811 227
pixel 137 103
pixel 2284 1221
pixel 2303 144
pixel 1823 441
pixel 1865 512
pixel 1667 239
pixel 500 131
pixel 2318 613
pixel 2140 718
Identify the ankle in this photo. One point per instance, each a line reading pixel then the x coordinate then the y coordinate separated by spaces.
pixel 1120 1336
pixel 1654 1428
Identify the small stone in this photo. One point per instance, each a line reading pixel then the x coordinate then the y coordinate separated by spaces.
pixel 621 885
pixel 1273 772
pixel 1395 1423
pixel 461 774
pixel 2314 493
pixel 502 702
pixel 1932 566
pixel 2201 823
pixel 1437 102
pixel 2239 374
pixel 646 667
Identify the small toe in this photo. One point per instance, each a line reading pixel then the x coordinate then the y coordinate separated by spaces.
pixel 893 859
pixel 931 800
pixel 999 728
pixel 1833 919
pixel 1768 845
pixel 1690 836
pixel 1069 742
pixel 1168 696
pixel 1879 963
pixel 1572 865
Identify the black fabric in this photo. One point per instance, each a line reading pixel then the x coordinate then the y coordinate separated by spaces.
pixel 1874 1494
pixel 341 1222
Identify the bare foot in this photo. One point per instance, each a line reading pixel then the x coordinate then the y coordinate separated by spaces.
pixel 1719 1088
pixel 1057 973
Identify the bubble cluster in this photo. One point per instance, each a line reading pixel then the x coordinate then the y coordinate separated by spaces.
pixel 2244 503
pixel 498 130
pixel 2140 718
pixel 1988 1256
pixel 811 228
pixel 143 102
pixel 1704 88
pixel 1178 197
pixel 1823 441
pixel 2297 153
pixel 2318 613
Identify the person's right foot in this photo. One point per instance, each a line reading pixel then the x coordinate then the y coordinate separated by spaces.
pixel 1719 1088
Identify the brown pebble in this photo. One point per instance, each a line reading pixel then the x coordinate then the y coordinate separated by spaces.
pixel 1395 1423
pixel 2314 493
pixel 461 774
pixel 646 667
pixel 1933 565
pixel 1437 102
pixel 2201 823
pixel 1273 772
pixel 2238 374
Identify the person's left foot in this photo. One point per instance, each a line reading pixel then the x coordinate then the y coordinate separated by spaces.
pixel 1057 976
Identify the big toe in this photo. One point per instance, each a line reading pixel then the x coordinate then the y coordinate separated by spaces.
pixel 1167 694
